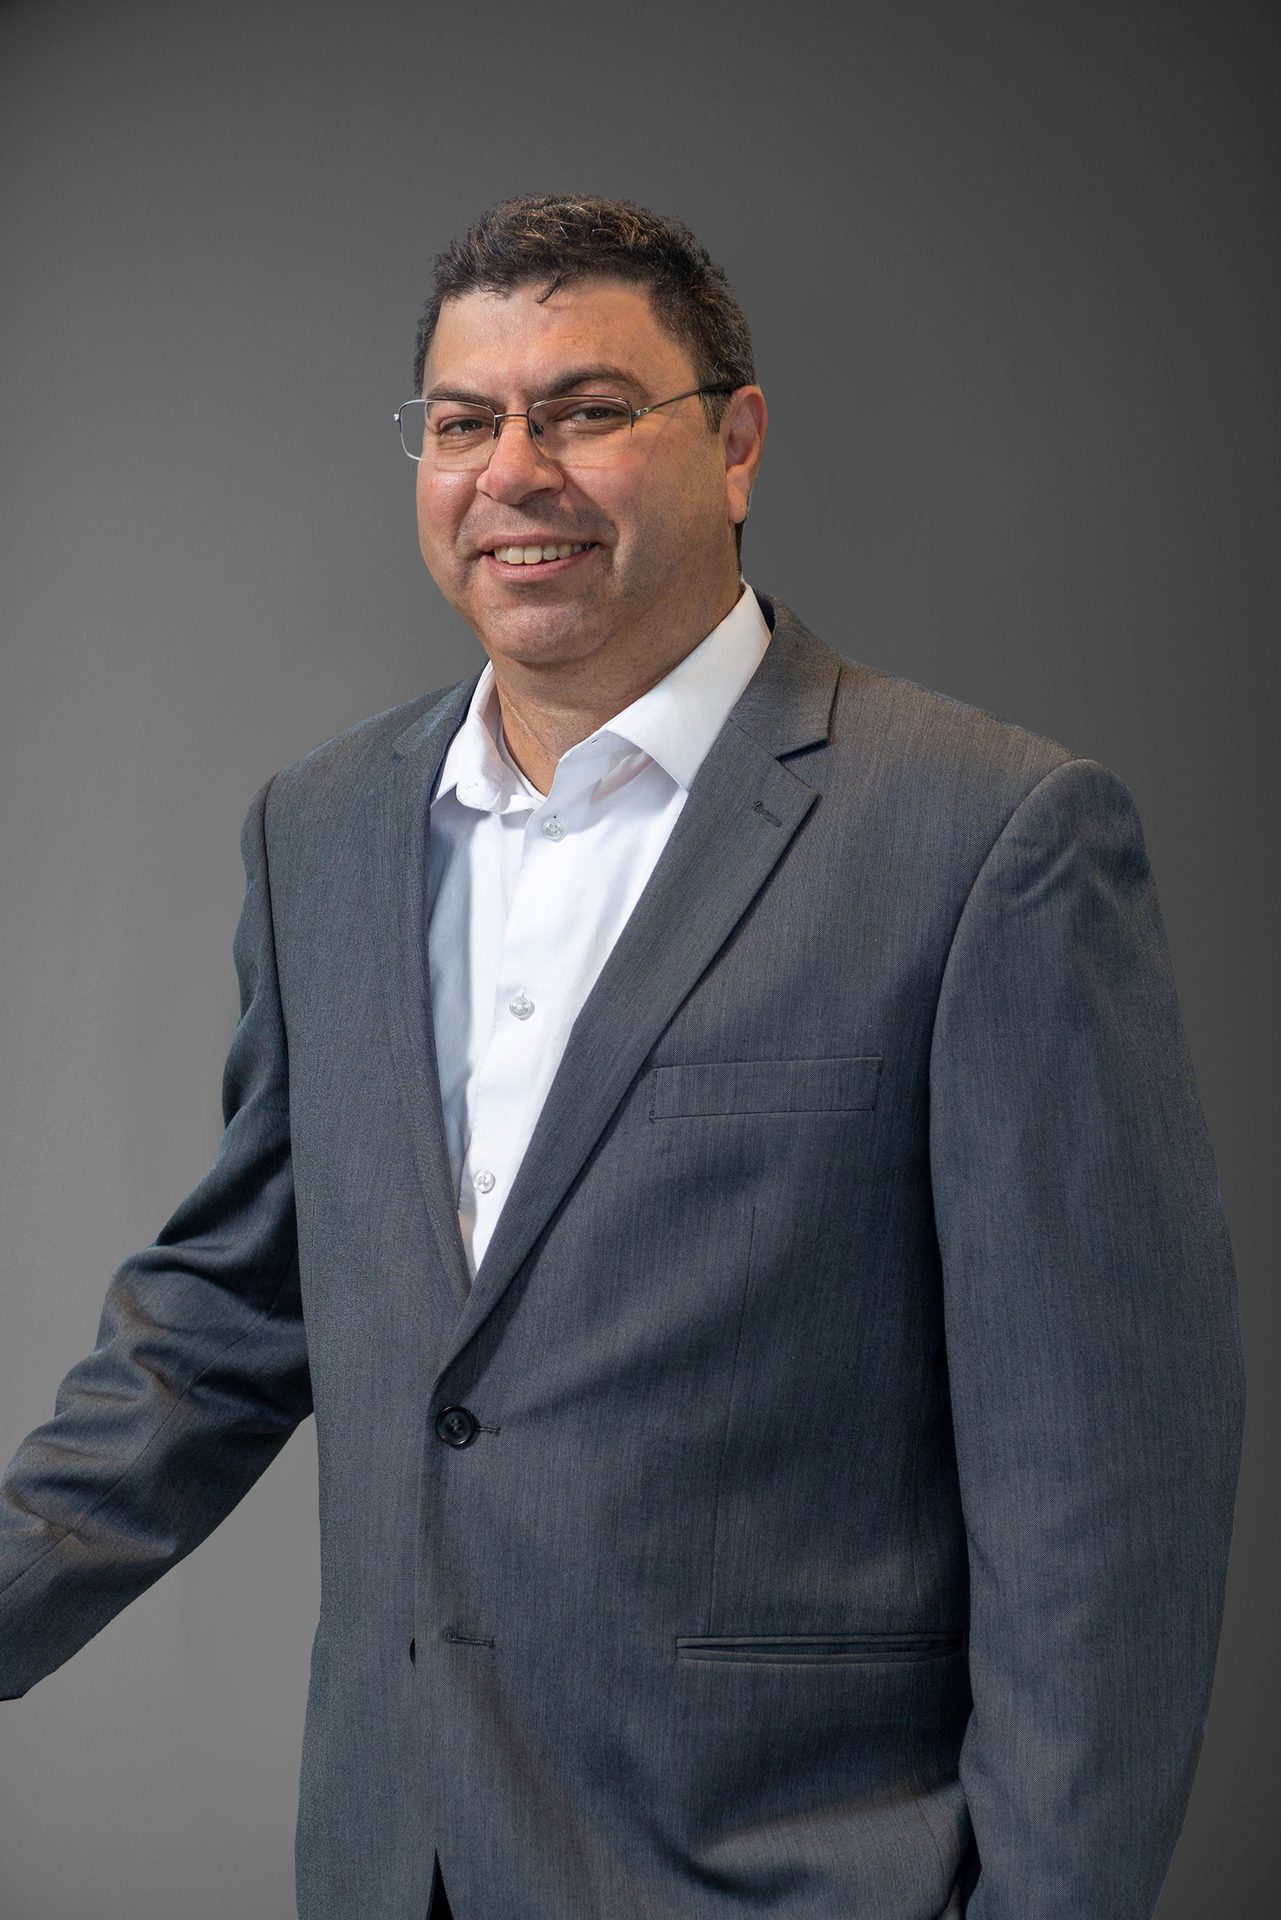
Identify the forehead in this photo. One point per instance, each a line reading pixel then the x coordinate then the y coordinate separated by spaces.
pixel 515 341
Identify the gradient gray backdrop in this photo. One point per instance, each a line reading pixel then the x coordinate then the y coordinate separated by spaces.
pixel 1012 273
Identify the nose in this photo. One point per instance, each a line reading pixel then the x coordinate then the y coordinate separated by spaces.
pixel 516 466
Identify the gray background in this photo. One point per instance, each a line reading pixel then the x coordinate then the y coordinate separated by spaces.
pixel 1012 273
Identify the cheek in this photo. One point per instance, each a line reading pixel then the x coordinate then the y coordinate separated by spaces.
pixel 634 501
pixel 682 496
pixel 440 508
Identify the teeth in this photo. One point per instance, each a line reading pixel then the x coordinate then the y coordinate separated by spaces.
pixel 529 556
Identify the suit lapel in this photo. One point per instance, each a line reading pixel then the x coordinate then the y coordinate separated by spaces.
pixel 400 822
pixel 743 809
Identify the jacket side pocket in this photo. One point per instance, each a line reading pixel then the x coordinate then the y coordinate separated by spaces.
pixel 816 1649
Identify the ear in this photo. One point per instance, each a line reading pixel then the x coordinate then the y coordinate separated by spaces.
pixel 743 437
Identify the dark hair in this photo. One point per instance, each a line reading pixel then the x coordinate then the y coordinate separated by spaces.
pixel 563 238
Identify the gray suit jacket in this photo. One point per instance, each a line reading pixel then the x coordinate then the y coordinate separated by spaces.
pixel 832 1517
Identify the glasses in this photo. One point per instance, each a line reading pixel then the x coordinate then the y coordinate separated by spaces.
pixel 581 429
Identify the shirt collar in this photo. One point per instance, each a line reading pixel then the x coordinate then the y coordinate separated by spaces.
pixel 673 723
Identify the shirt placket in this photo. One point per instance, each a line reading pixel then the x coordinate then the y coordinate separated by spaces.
pixel 536 964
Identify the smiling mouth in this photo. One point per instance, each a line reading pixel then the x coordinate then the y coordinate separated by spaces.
pixel 534 560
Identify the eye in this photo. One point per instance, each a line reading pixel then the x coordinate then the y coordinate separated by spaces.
pixel 457 426
pixel 582 412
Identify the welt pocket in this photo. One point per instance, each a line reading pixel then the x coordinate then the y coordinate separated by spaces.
pixel 840 1084
pixel 816 1649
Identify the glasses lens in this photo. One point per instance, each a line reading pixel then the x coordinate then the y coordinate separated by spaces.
pixel 584 429
pixel 457 433
pixel 410 417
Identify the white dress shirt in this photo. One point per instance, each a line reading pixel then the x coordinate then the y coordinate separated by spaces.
pixel 531 891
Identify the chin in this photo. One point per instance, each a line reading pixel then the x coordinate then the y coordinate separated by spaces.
pixel 550 637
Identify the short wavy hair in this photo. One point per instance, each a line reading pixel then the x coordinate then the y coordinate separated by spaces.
pixel 564 238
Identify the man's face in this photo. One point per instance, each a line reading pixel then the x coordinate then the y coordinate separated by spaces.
pixel 659 517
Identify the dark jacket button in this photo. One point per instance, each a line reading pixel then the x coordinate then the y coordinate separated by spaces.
pixel 412 1655
pixel 457 1426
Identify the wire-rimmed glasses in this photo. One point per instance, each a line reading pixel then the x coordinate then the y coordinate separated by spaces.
pixel 581 429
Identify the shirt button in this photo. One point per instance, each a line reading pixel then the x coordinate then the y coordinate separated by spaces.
pixel 552 828
pixel 521 1006
pixel 483 1181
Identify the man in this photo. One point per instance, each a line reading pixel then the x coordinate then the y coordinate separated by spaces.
pixel 710 1136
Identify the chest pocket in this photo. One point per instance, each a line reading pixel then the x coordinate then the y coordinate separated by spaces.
pixel 843 1084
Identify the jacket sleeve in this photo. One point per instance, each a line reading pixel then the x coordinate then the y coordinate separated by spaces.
pixel 1094 1360
pixel 199 1373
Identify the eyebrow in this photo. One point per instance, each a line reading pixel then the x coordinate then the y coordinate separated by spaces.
pixel 571 382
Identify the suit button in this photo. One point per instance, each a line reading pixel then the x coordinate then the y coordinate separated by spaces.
pixel 412 1656
pixel 457 1426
